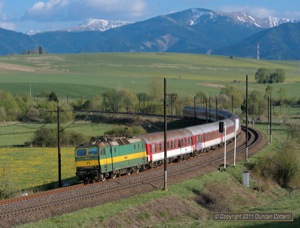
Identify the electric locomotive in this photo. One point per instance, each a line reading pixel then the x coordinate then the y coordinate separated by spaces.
pixel 109 157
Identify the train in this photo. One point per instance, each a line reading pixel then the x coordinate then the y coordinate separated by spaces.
pixel 109 157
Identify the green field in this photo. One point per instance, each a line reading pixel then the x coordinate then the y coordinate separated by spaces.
pixel 17 134
pixel 86 75
pixel 179 206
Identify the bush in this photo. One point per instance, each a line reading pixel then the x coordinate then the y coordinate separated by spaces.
pixel 125 131
pixel 46 137
pixel 283 165
pixel 5 184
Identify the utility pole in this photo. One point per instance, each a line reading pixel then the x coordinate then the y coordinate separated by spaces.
pixel 195 116
pixel 165 136
pixel 58 146
pixel 217 109
pixel 270 120
pixel 246 154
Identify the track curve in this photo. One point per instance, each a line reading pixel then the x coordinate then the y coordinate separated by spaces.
pixel 38 206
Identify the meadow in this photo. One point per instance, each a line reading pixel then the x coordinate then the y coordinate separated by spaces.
pixel 87 75
pixel 157 208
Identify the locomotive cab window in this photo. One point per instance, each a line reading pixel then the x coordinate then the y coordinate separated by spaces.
pixel 93 151
pixel 80 153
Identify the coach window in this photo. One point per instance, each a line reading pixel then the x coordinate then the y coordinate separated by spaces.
pixel 175 144
pixel 179 143
pixel 156 147
pixel 160 147
pixel 171 145
pixel 152 147
pixel 168 146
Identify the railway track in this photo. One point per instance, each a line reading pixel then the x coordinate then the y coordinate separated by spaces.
pixel 38 206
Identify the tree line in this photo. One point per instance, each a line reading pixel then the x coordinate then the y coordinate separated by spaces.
pixel 26 108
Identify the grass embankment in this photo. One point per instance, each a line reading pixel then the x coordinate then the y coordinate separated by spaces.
pixel 182 206
pixel 191 203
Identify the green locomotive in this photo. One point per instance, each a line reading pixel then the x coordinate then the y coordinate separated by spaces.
pixel 109 158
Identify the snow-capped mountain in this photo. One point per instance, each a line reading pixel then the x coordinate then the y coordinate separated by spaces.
pixel 189 31
pixel 97 25
pixel 266 22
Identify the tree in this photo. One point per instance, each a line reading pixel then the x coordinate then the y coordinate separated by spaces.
pixel 268 91
pixel 32 114
pixel 112 100
pixel 40 50
pixel 156 88
pixel 262 75
pixel 52 97
pixel 95 104
pixel 278 76
pixel 232 93
pixel 282 93
pixel 129 100
pixel 10 110
pixel 201 98
pixel 142 98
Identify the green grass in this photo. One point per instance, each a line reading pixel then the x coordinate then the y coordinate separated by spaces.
pixel 86 75
pixel 92 74
pixel 178 206
pixel 33 167
pixel 16 134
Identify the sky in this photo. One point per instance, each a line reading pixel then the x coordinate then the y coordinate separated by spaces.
pixel 26 15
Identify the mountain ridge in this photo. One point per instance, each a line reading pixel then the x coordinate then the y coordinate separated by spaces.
pixel 195 30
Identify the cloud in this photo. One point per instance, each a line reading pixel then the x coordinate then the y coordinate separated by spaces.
pixel 7 25
pixel 70 10
pixel 3 19
pixel 44 11
pixel 260 12
pixel 293 14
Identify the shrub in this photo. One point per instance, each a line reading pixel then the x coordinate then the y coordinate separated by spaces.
pixel 46 137
pixel 5 184
pixel 125 131
pixel 283 165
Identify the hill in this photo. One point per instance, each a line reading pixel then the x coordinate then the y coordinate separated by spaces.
pixel 14 42
pixel 278 43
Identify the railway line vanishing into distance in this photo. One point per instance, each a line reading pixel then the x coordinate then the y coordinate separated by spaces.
pixel 56 202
